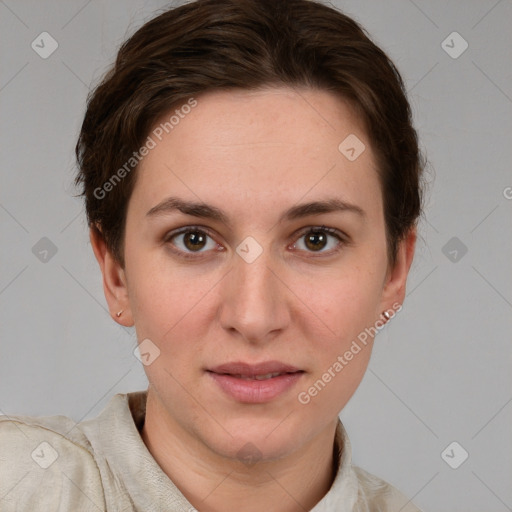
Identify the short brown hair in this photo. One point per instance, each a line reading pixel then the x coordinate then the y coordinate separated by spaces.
pixel 211 45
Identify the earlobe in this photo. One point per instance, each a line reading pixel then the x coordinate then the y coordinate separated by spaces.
pixel 114 279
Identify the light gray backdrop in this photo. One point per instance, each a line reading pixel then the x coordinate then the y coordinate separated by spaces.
pixel 441 370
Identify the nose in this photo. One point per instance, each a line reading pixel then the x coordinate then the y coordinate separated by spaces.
pixel 254 300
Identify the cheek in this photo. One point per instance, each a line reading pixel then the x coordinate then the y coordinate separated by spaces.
pixel 342 343
pixel 171 305
pixel 344 304
pixel 169 311
pixel 341 314
pixel 163 301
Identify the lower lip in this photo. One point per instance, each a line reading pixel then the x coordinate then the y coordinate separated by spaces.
pixel 255 391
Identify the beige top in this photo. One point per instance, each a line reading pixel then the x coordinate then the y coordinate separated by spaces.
pixel 53 464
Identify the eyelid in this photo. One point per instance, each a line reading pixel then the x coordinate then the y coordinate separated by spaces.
pixel 186 229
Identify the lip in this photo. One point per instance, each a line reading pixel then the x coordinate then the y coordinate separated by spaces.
pixel 238 380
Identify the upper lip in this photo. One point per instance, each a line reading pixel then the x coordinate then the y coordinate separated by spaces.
pixel 253 370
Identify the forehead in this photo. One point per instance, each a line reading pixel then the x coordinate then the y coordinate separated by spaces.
pixel 258 149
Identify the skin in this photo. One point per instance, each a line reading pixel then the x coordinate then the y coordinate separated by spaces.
pixel 254 155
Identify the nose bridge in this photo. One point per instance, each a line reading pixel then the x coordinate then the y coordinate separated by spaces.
pixel 255 280
pixel 254 304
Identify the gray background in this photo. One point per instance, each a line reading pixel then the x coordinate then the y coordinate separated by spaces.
pixel 441 370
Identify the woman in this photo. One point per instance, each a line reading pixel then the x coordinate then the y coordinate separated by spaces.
pixel 252 185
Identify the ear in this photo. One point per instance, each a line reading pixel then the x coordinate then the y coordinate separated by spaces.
pixel 114 279
pixel 393 293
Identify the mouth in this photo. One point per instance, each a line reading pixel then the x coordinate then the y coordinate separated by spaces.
pixel 257 377
pixel 256 383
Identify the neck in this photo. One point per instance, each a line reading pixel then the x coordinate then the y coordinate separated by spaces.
pixel 212 483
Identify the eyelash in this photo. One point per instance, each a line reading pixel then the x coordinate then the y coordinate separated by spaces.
pixel 310 229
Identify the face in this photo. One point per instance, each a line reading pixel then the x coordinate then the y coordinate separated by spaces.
pixel 252 303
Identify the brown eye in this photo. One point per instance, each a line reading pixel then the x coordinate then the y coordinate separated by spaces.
pixel 315 240
pixel 190 241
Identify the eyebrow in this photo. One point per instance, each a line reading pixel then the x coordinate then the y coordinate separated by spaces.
pixel 206 211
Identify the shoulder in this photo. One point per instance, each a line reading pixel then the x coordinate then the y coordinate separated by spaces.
pixel 378 495
pixel 47 463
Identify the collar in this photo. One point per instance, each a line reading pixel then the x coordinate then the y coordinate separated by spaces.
pixel 130 469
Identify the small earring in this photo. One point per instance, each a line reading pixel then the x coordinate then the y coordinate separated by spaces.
pixel 386 315
pixel 119 313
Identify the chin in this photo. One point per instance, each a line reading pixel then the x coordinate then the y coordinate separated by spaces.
pixel 250 440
